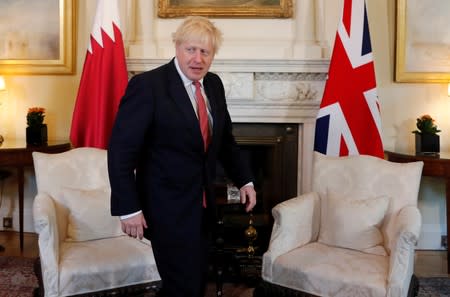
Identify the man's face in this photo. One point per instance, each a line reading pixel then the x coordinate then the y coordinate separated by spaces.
pixel 194 58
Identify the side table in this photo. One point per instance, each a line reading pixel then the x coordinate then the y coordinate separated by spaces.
pixel 16 153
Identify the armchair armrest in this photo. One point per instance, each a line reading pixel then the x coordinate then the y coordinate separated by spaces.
pixel 296 223
pixel 45 224
pixel 401 263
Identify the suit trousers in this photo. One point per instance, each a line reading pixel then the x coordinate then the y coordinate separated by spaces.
pixel 184 268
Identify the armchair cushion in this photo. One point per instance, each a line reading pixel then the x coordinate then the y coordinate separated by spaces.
pixel 105 263
pixel 332 271
pixel 352 222
pixel 89 215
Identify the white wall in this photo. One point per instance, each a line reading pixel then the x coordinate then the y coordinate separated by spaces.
pixel 401 104
pixel 308 35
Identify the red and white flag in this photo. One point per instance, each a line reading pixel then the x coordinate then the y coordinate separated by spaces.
pixel 349 121
pixel 103 80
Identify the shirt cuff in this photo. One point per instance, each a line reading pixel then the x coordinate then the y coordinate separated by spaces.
pixel 124 217
pixel 249 184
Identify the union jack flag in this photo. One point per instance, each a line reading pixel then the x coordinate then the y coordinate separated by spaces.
pixel 349 121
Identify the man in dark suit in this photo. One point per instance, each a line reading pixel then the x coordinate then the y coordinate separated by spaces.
pixel 162 158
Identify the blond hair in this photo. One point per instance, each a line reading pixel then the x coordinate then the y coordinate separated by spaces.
pixel 197 28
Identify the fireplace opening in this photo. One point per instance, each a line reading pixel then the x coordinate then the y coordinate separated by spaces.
pixel 272 150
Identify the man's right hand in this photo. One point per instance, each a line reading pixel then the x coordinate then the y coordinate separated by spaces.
pixel 134 226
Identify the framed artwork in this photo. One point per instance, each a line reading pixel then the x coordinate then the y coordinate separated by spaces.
pixel 422 41
pixel 225 8
pixel 37 37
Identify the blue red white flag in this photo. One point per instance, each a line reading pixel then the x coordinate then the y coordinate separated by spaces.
pixel 103 80
pixel 349 121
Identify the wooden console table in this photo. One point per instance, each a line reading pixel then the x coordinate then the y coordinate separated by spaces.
pixel 16 153
pixel 437 165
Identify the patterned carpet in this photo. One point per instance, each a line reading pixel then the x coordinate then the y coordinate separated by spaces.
pixel 429 287
pixel 434 287
pixel 230 290
pixel 17 279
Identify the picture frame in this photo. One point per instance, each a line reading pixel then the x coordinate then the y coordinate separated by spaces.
pixel 422 42
pixel 225 8
pixel 40 39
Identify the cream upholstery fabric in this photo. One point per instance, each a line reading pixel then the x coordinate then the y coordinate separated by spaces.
pixel 91 220
pixel 332 271
pixel 302 263
pixel 76 267
pixel 110 269
pixel 288 231
pixel 352 223
pixel 366 176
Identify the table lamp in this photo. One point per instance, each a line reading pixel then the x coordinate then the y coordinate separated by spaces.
pixel 2 89
pixel 2 83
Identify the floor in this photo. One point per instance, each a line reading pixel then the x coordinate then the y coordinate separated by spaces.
pixel 427 263
pixel 431 263
pixel 11 242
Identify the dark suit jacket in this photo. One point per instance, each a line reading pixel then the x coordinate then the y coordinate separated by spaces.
pixel 157 133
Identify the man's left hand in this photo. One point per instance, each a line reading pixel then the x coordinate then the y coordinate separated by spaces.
pixel 248 197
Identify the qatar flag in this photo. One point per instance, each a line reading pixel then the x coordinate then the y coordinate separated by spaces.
pixel 103 80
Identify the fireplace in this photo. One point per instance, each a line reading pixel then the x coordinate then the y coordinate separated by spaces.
pixel 272 151
pixel 269 92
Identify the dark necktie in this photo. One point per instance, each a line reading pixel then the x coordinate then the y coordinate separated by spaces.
pixel 203 120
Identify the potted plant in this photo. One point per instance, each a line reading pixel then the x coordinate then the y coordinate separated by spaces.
pixel 427 139
pixel 36 132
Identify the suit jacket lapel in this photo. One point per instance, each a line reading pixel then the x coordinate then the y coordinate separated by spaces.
pixel 209 90
pixel 178 93
pixel 181 99
pixel 212 98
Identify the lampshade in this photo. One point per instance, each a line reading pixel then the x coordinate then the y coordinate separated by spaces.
pixel 448 89
pixel 2 83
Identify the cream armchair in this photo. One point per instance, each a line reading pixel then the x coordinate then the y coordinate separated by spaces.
pixel 353 235
pixel 82 248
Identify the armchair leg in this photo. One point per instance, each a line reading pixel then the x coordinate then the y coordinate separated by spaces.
pixel 139 290
pixel 38 292
pixel 413 286
pixel 266 289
